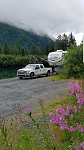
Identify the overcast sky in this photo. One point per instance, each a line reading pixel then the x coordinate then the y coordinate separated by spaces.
pixel 51 17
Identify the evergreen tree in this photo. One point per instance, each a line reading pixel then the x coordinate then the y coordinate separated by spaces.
pixel 11 49
pixel 71 39
pixel 23 51
pixel 0 49
pixel 26 51
pixel 47 50
pixel 33 49
pixel 5 49
pixel 16 51
pixel 58 43
pixel 42 51
pixel 37 51
pixel 64 42
pixel 51 46
pixel 18 48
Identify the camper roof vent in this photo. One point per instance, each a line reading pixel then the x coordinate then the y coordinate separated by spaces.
pixel 59 50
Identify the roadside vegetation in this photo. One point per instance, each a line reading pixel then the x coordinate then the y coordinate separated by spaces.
pixel 73 62
pixel 61 127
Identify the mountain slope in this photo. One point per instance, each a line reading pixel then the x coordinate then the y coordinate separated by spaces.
pixel 26 39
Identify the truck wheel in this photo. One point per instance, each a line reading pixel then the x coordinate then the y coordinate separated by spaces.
pixel 20 77
pixel 31 75
pixel 48 73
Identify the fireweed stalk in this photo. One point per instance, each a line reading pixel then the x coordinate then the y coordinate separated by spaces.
pixel 70 117
pixel 41 130
pixel 26 110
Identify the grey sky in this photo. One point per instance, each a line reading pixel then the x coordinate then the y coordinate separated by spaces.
pixel 52 17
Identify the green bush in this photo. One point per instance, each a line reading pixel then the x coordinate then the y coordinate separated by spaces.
pixel 13 61
pixel 73 62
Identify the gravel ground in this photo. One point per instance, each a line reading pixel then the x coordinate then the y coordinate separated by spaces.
pixel 26 92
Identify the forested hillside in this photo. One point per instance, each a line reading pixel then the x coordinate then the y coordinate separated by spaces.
pixel 9 34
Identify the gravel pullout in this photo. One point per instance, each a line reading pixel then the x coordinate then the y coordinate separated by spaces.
pixel 26 92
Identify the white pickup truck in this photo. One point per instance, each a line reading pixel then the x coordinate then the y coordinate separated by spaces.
pixel 32 70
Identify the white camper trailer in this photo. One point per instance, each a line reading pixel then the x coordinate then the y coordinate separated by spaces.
pixel 56 58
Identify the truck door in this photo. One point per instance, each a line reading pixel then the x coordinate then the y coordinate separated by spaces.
pixel 42 69
pixel 37 70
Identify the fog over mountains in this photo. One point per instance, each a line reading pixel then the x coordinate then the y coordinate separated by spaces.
pixel 10 33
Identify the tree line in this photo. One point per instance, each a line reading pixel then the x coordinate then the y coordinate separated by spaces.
pixel 62 42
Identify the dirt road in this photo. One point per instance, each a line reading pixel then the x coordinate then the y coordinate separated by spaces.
pixel 26 92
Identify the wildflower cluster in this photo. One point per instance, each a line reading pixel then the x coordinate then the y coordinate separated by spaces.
pixel 25 112
pixel 63 116
pixel 75 88
pixel 81 147
pixel 68 117
pixel 26 109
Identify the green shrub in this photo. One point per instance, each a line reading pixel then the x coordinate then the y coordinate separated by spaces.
pixel 13 61
pixel 73 62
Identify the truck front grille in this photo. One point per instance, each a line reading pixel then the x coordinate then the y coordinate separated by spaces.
pixel 21 72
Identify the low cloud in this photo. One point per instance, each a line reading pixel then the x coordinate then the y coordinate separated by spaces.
pixel 51 17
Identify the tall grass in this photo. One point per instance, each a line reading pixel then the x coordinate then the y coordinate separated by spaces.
pixel 62 129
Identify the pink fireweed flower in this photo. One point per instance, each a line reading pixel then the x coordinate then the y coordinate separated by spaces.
pixel 80 83
pixel 71 129
pixel 72 115
pixel 82 99
pixel 80 106
pixel 80 128
pixel 70 107
pixel 54 137
pixel 27 109
pixel 82 145
pixel 66 121
pixel 79 95
pixel 23 120
pixel 70 83
pixel 67 112
pixel 75 109
pixel 51 114
pixel 53 120
pixel 63 126
pixel 74 87
pixel 78 100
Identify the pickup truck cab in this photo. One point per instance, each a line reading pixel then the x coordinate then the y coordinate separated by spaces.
pixel 32 70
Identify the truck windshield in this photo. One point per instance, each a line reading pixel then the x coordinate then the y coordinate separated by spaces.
pixel 30 66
